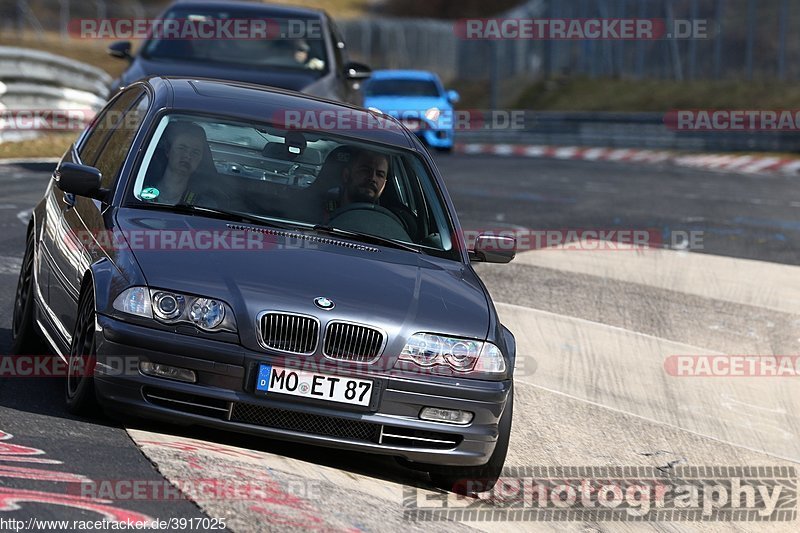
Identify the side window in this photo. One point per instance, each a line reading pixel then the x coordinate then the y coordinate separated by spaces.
pixel 113 153
pixel 104 125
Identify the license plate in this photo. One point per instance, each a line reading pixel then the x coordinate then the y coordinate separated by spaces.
pixel 279 380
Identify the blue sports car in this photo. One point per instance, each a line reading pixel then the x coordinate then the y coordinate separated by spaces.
pixel 419 100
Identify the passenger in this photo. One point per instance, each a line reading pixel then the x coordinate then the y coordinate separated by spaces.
pixel 302 54
pixel 186 147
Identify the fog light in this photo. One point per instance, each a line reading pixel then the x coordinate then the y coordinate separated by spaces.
pixel 169 372
pixel 450 416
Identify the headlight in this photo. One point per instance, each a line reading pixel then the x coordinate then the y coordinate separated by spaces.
pixel 461 355
pixel 168 306
pixel 207 314
pixel 433 114
pixel 173 308
pixel 135 301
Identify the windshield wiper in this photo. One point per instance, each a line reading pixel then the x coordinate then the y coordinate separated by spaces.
pixel 374 239
pixel 187 208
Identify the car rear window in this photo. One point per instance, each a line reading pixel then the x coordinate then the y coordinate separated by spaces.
pixel 399 87
pixel 295 44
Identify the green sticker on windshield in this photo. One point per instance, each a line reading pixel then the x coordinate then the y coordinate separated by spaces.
pixel 150 193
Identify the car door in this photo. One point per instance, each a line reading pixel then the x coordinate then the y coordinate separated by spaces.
pixel 346 89
pixel 74 223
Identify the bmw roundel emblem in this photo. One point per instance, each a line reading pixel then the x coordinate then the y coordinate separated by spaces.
pixel 324 303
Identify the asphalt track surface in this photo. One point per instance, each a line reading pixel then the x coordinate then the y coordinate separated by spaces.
pixel 593 330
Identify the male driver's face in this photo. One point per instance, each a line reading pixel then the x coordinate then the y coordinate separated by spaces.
pixel 366 177
pixel 185 154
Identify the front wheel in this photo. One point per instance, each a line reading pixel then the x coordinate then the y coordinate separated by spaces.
pixel 24 335
pixel 80 394
pixel 470 481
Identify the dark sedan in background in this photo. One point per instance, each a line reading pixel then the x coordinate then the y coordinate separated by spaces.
pixel 194 259
pixel 303 51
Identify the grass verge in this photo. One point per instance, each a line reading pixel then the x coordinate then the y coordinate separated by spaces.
pixel 49 145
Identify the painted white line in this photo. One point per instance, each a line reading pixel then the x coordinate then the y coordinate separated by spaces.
pixel 25 216
pixel 568 152
pixel 503 149
pixel 535 151
pixel 760 164
pixel 473 148
pixel 662 423
pixel 594 154
pixel 712 162
pixel 738 162
pixel 642 155
pixel 790 168
pixel 743 281
pixel 596 361
pixel 618 155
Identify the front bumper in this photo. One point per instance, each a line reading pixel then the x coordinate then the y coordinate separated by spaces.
pixel 434 134
pixel 223 398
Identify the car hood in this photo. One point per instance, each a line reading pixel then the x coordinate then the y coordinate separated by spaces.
pixel 285 79
pixel 392 105
pixel 398 291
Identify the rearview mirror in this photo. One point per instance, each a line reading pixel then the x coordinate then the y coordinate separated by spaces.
pixel 453 97
pixel 493 249
pixel 357 71
pixel 80 180
pixel 120 49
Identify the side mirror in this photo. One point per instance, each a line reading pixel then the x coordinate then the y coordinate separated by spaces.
pixel 493 249
pixel 453 97
pixel 357 71
pixel 80 180
pixel 120 49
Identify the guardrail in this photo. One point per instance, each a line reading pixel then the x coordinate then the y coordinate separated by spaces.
pixel 33 80
pixel 626 130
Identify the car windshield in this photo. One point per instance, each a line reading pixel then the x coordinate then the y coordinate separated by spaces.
pixel 245 38
pixel 398 87
pixel 306 179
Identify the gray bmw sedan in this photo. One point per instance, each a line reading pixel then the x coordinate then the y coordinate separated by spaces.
pixel 260 261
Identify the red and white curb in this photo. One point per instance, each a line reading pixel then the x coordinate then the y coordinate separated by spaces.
pixel 747 164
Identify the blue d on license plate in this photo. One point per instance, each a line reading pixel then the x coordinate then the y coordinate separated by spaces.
pixel 277 380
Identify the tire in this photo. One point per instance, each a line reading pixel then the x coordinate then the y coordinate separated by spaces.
pixel 79 384
pixel 25 339
pixel 470 481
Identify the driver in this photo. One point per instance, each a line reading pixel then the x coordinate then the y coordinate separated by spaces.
pixel 364 178
pixel 302 55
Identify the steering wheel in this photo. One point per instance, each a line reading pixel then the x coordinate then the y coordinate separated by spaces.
pixel 370 218
pixel 213 197
pixel 364 206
